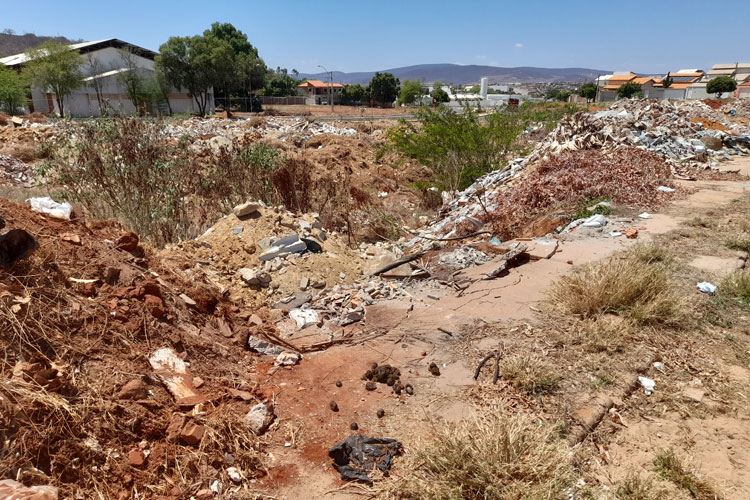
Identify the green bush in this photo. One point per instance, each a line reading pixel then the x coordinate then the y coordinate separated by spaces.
pixel 12 90
pixel 459 147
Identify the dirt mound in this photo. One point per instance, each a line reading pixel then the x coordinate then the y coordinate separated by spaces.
pixel 234 243
pixel 26 143
pixel 85 393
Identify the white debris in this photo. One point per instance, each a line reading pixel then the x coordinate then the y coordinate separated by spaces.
pixel 304 317
pixel 646 215
pixel 665 189
pixel 47 205
pixel 706 287
pixel 234 475
pixel 648 385
pixel 597 220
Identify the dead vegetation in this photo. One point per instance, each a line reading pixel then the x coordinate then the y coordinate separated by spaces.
pixel 130 170
pixel 636 285
pixel 629 176
pixel 530 375
pixel 491 457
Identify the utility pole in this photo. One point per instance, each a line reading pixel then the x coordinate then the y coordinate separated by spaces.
pixel 330 85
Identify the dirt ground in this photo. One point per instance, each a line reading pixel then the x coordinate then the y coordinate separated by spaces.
pixel 698 408
pixel 87 311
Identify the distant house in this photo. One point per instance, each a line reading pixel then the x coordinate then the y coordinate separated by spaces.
pixel 739 71
pixel 681 80
pixel 108 63
pixel 608 91
pixel 317 91
pixel 743 90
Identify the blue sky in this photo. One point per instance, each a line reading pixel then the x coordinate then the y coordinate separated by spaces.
pixel 644 36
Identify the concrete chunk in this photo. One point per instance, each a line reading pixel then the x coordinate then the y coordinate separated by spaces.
pixel 246 209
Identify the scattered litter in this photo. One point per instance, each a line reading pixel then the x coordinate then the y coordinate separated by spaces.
pixel 658 365
pixel 646 215
pixel 615 234
pixel 597 220
pixel 648 385
pixel 358 455
pixel 47 205
pixel 706 287
pixel 665 189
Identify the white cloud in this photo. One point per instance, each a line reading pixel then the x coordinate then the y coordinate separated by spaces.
pixel 519 45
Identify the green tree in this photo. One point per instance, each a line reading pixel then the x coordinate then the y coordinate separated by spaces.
pixel 246 70
pixel 12 90
pixel 667 82
pixel 280 84
pixel 563 95
pixel 721 84
pixel 56 67
pixel 384 88
pixel 410 93
pixel 352 94
pixel 630 89
pixel 587 91
pixel 440 96
pixel 199 63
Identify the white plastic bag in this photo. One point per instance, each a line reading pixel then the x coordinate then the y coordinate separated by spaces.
pixel 47 205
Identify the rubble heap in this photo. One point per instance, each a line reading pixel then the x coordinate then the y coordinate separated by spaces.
pixel 14 170
pixel 661 127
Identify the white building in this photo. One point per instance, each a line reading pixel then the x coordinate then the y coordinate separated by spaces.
pixel 103 62
pixel 739 71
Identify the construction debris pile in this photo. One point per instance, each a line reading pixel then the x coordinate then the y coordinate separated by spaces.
pixel 280 128
pixel 15 171
pixel 662 127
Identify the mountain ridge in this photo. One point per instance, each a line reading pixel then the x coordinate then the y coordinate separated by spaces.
pixel 458 74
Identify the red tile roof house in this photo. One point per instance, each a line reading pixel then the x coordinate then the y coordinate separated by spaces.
pixel 317 91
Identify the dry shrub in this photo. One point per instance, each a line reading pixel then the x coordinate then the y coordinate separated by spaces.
pixel 530 375
pixel 604 333
pixel 489 458
pixel 628 175
pixel 4 119
pixel 636 285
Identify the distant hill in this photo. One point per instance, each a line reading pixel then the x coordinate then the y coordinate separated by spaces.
pixel 11 44
pixel 460 75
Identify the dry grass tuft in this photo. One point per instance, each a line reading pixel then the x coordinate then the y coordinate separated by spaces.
pixel 671 467
pixel 635 487
pixel 739 241
pixel 636 285
pixel 530 375
pixel 488 458
pixel 737 285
